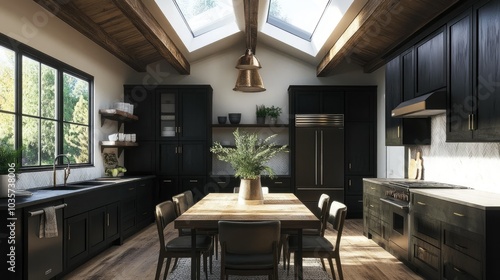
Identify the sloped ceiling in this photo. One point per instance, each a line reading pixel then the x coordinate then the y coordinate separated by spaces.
pixel 130 31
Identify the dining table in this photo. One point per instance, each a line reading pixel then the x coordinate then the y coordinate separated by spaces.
pixel 214 207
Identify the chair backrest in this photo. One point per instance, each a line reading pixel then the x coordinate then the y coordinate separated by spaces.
pixel 336 217
pixel 164 214
pixel 181 203
pixel 323 204
pixel 265 190
pixel 249 237
pixel 189 198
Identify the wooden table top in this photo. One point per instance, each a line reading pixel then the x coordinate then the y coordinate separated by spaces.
pixel 214 207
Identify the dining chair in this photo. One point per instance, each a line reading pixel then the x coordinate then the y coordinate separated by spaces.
pixel 321 211
pixel 183 202
pixel 249 248
pixel 319 246
pixel 265 190
pixel 178 247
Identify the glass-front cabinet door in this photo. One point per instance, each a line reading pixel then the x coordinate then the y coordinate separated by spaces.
pixel 168 127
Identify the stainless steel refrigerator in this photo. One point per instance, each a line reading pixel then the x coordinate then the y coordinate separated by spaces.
pixel 319 157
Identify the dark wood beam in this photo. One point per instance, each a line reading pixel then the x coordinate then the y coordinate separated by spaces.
pixel 144 21
pixel 251 10
pixel 70 14
pixel 347 40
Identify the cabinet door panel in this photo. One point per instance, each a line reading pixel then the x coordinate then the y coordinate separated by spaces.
pixel 97 219
pixel 141 159
pixel 359 148
pixel 331 173
pixel 488 73
pixel 392 99
pixel 408 75
pixel 307 103
pixel 77 248
pixel 332 103
pixel 430 58
pixel 194 115
pixel 112 218
pixel 460 84
pixel 359 106
pixel 168 161
pixel 193 158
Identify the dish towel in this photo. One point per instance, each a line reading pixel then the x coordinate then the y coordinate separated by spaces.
pixel 48 223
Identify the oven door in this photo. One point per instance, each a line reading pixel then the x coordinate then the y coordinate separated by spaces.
pixel 399 227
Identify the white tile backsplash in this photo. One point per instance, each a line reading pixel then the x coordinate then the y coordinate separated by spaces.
pixel 475 165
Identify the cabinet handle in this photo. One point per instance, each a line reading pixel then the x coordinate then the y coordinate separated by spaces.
pixel 321 158
pixel 461 247
pixel 131 189
pixel 399 131
pixel 372 188
pixel 422 249
pixel 180 149
pixel 193 181
pixel 468 120
pixel 278 182
pixel 316 158
pixel 458 270
pixel 167 181
pixel 350 166
pixel 472 121
pixel 107 219
pixel 371 205
pixel 421 203
pixel 360 201
pixel 458 214
pixel 69 232
pixel 179 130
pixel 221 182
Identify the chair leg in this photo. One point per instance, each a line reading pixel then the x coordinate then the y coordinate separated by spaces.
pixel 159 266
pixel 205 264
pixel 331 268
pixel 323 264
pixel 175 264
pixel 216 241
pixel 166 269
pixel 339 267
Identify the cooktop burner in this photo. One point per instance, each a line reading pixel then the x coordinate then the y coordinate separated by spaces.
pixel 425 185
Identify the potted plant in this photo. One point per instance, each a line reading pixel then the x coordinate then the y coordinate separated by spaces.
pixel 261 112
pixel 9 163
pixel 249 159
pixel 273 113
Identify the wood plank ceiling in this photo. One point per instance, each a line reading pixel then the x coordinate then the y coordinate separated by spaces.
pixel 128 30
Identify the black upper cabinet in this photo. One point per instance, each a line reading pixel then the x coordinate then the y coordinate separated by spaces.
pixel 474 72
pixel 360 106
pixel 317 100
pixel 408 74
pixel 401 131
pixel 430 63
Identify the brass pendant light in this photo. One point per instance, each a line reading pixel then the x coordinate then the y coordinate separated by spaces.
pixel 249 80
pixel 248 61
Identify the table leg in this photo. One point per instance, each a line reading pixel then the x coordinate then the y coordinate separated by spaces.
pixel 194 270
pixel 298 255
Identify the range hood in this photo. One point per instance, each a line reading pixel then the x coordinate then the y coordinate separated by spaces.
pixel 426 105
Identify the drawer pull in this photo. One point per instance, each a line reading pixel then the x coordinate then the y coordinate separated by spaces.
pixel 458 270
pixel 360 201
pixel 458 214
pixel 193 181
pixel 461 247
pixel 371 205
pixel 167 181
pixel 221 182
pixel 422 249
pixel 131 189
pixel 278 182
pixel 421 203
pixel 372 188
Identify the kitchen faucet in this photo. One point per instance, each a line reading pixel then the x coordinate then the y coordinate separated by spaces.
pixel 67 170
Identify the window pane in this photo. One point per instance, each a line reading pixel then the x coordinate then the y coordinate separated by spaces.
pixel 76 99
pixel 31 146
pixel 31 86
pixel 76 143
pixel 296 16
pixel 202 16
pixel 49 136
pixel 49 85
pixel 7 79
pixel 7 125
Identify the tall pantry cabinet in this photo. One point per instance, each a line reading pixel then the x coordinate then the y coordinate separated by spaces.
pixel 174 133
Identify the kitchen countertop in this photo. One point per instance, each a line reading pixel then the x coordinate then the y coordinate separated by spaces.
pixel 473 198
pixel 382 181
pixel 41 196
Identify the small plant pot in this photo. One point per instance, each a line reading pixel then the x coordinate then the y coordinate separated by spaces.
pixel 222 119
pixel 234 118
pixel 261 120
pixel 273 120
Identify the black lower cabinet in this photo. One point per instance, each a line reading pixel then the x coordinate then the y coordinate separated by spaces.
pixel 76 240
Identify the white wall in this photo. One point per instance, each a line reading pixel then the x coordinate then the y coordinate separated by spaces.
pixel 26 21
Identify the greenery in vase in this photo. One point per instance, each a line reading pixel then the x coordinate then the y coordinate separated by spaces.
pixel 261 111
pixel 273 112
pixel 8 156
pixel 250 155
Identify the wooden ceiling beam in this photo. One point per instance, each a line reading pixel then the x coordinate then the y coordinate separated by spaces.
pixel 347 40
pixel 70 14
pixel 251 11
pixel 144 21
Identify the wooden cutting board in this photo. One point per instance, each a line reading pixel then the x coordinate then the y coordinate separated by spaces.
pixel 414 167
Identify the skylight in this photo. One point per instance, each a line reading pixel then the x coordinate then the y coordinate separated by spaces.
pixel 202 16
pixel 297 17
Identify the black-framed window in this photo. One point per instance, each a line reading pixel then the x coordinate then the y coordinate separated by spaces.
pixel 45 107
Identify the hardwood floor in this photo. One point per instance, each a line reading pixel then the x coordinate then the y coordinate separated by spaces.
pixel 136 258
